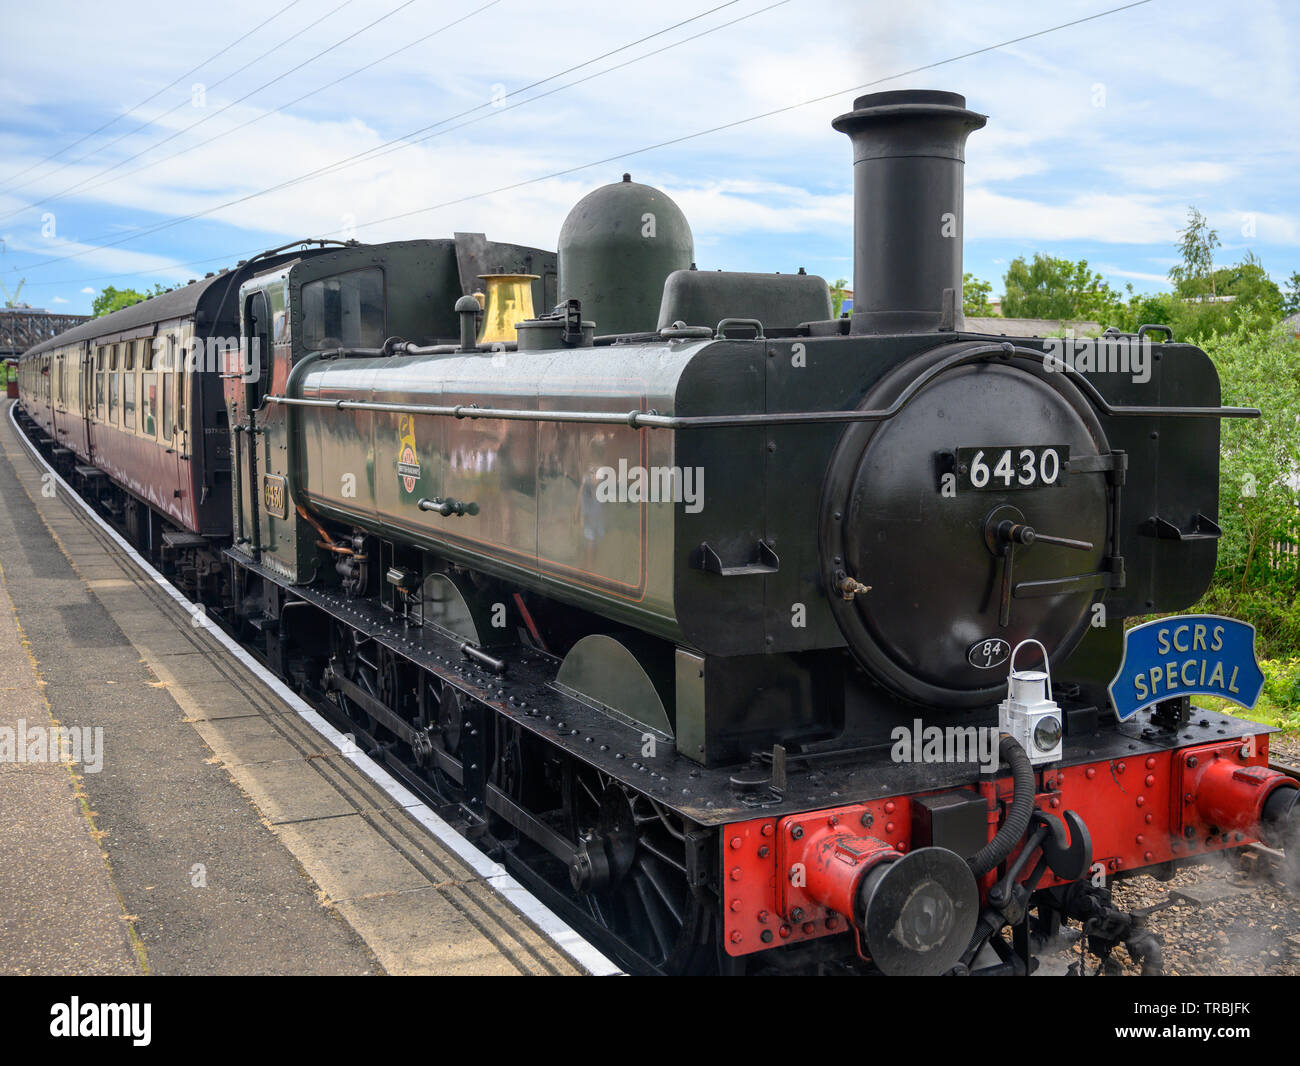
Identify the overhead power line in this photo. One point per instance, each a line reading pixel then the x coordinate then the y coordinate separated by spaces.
pixel 148 99
pixel 398 143
pixel 674 140
pixel 206 118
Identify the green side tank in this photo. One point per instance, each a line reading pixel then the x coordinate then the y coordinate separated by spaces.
pixel 617 247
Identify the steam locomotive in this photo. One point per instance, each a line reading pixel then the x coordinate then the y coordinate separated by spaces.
pixel 645 587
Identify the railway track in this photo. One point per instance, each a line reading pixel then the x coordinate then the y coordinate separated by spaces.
pixel 410 817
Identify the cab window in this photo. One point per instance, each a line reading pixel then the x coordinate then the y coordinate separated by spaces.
pixel 345 311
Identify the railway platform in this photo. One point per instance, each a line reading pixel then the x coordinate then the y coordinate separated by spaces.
pixel 199 822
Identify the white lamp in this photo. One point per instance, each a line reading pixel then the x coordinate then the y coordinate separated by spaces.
pixel 1028 714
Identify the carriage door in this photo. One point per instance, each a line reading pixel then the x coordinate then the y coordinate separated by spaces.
pixel 257 363
pixel 87 357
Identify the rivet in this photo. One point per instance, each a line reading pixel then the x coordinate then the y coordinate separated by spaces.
pixel 1090 773
pixel 785 931
pixel 1151 780
pixel 889 827
pixel 736 874
pixel 1056 801
pixel 766 936
pixel 767 829
pixel 1120 768
pixel 809 928
pixel 737 936
pixel 1148 856
pixel 889 806
pixel 736 843
pixel 1141 801
pixel 764 852
pixel 1151 762
pixel 763 916
pixel 796 831
pixel 1139 838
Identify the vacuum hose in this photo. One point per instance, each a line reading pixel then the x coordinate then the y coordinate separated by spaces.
pixel 1022 806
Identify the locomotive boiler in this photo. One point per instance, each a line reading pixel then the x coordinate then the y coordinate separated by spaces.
pixel 648 592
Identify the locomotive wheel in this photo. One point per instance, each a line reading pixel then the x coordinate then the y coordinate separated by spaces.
pixel 450 715
pixel 631 872
pixel 396 690
pixel 441 707
pixel 352 660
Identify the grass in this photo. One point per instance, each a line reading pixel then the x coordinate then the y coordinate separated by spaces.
pixel 1279 703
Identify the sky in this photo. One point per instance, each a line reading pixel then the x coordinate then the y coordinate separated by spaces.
pixel 119 122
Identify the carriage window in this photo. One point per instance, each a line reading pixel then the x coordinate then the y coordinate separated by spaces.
pixel 128 396
pixel 182 383
pixel 346 311
pixel 148 391
pixel 114 382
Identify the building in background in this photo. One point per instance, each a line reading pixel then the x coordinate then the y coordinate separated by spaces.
pixel 23 326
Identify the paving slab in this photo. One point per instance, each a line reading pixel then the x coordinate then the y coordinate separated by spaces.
pixel 231 835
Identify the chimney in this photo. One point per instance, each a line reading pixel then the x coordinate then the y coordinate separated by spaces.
pixel 909 151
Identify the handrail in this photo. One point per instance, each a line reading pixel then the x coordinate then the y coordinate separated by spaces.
pixel 653 420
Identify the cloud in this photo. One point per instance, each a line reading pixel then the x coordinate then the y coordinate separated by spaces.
pixel 1093 216
pixel 1136 275
pixel 1058 162
pixel 88 291
pixel 126 260
pixel 58 300
pixel 1173 173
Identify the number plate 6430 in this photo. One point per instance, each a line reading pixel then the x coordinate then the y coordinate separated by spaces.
pixel 1006 467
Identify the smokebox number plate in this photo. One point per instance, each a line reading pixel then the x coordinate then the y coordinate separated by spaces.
pixel 1005 467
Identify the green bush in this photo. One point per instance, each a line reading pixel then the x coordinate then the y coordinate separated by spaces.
pixel 1282 684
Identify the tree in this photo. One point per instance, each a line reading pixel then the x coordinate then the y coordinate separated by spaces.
pixel 1056 288
pixel 975 296
pixel 1195 274
pixel 1291 299
pixel 1252 290
pixel 1259 464
pixel 111 299
pixel 837 296
pixel 1253 300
